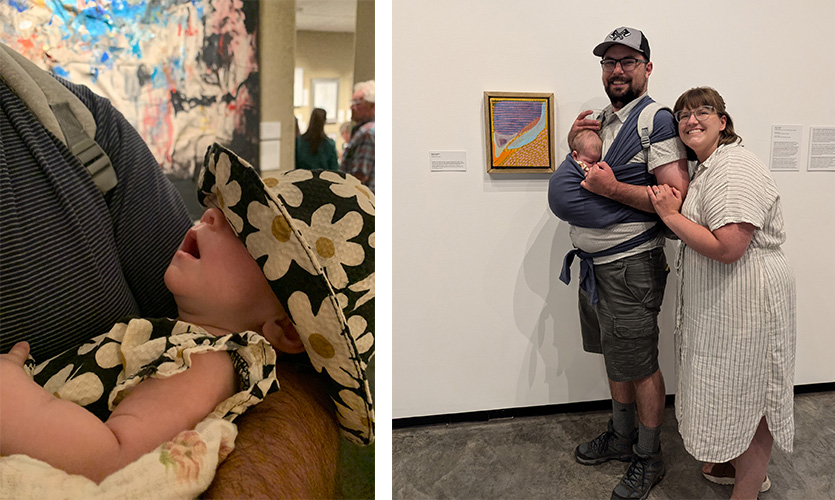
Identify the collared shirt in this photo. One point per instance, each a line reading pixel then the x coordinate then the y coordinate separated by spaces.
pixel 594 240
pixel 358 158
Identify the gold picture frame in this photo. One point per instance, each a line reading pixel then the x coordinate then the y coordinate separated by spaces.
pixel 519 129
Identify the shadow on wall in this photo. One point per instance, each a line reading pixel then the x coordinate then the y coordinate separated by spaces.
pixel 555 345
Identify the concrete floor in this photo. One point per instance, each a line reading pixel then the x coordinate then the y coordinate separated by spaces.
pixel 532 457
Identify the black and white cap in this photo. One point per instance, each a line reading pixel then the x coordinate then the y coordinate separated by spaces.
pixel 630 37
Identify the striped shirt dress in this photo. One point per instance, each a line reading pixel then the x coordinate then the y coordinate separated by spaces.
pixel 735 323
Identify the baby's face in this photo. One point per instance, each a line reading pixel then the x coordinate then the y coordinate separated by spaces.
pixel 587 157
pixel 216 282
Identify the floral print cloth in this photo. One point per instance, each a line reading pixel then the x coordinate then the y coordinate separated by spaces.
pixel 180 469
pixel 100 373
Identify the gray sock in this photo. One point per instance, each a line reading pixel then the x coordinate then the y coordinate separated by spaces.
pixel 649 440
pixel 623 417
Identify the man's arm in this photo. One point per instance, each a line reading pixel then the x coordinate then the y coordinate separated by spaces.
pixel 67 436
pixel 601 180
pixel 287 445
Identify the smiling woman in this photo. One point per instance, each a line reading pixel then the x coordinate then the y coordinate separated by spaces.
pixel 703 122
pixel 736 299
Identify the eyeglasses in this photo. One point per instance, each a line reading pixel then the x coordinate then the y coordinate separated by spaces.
pixel 627 64
pixel 701 113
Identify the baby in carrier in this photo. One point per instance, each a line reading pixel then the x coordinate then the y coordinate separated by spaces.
pixel 588 149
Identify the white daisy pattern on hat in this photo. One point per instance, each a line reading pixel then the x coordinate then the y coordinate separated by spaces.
pixel 273 238
pixel 312 234
pixel 365 339
pixel 290 193
pixel 330 241
pixel 352 419
pixel 349 187
pixel 323 353
pixel 231 193
pixel 364 287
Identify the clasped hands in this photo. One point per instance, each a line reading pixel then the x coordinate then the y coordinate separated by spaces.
pixel 666 200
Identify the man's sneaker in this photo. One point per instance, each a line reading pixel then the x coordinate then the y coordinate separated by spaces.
pixel 725 473
pixel 607 446
pixel 643 473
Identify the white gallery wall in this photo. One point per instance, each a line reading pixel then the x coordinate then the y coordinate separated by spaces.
pixel 480 320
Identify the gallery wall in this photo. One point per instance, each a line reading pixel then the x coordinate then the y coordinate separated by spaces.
pixel 326 55
pixel 480 320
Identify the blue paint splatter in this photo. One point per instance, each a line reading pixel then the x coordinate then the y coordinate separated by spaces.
pixel 17 5
pixel 60 71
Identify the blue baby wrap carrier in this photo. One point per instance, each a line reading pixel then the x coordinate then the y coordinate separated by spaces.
pixel 579 207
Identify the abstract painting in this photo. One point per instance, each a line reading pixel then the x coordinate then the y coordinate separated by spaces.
pixel 520 132
pixel 183 72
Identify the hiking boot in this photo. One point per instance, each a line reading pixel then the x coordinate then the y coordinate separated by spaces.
pixel 725 473
pixel 643 473
pixel 608 446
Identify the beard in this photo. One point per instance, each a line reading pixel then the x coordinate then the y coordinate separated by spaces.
pixel 620 99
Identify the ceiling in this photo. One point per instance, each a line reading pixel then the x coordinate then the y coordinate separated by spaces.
pixel 326 15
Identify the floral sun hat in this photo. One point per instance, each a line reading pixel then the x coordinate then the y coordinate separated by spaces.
pixel 312 234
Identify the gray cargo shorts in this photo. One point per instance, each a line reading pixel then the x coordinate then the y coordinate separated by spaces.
pixel 623 325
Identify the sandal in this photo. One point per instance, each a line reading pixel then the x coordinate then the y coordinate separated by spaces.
pixel 725 473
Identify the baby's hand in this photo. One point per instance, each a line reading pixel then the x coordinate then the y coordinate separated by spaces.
pixel 17 356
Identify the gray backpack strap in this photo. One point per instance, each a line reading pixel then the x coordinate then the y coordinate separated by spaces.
pixel 88 151
pixel 60 112
pixel 645 122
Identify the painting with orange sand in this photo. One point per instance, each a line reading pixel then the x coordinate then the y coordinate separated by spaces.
pixel 519 132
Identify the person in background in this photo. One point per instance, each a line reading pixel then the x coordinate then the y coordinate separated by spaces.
pixel 314 149
pixel 736 318
pixel 358 158
pixel 344 132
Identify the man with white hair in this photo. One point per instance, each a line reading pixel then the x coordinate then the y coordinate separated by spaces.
pixel 358 158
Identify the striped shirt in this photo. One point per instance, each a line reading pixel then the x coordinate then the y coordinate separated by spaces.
pixel 73 262
pixel 735 323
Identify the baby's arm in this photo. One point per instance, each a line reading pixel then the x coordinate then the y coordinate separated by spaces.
pixel 65 435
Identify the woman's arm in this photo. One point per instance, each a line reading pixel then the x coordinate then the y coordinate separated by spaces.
pixel 601 180
pixel 725 244
pixel 67 436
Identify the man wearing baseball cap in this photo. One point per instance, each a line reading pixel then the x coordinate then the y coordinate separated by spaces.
pixel 629 267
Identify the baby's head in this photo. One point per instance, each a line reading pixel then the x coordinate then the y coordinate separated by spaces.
pixel 588 147
pixel 310 234
pixel 219 286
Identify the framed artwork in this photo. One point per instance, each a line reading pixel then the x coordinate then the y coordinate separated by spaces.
pixel 326 96
pixel 519 130
pixel 183 73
